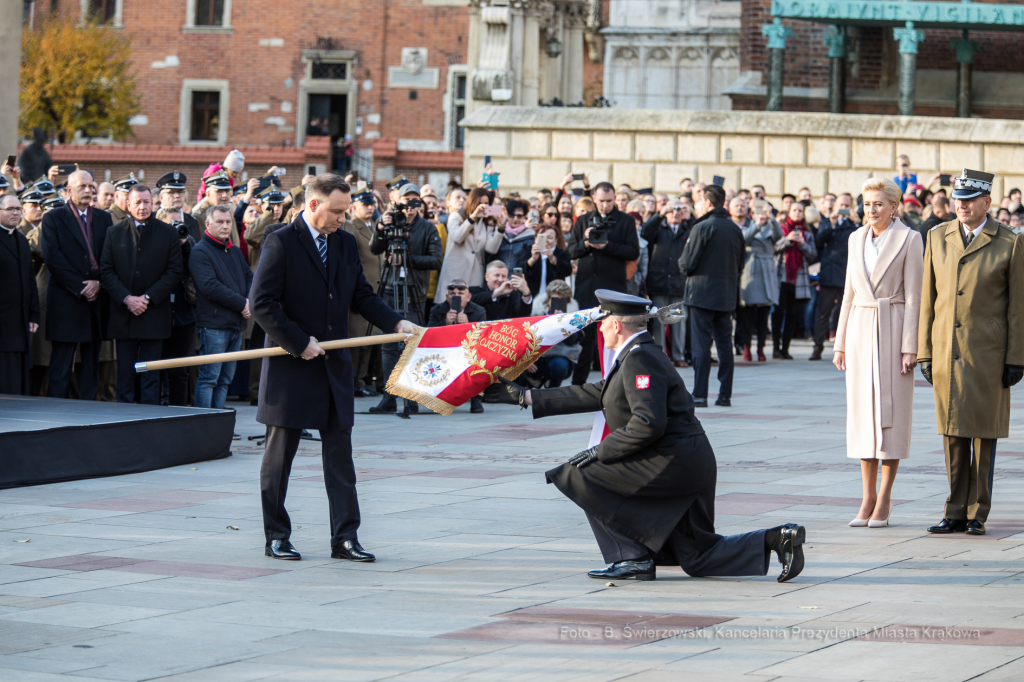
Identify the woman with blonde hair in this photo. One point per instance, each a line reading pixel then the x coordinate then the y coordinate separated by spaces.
pixel 876 344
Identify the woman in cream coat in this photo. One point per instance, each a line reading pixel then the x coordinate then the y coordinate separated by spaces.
pixel 876 344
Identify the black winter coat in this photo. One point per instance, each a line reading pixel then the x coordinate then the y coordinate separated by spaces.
pixel 151 267
pixel 833 252
pixel 602 268
pixel 294 297
pixel 423 254
pixel 18 274
pixel 69 316
pixel 665 246
pixel 439 313
pixel 655 460
pixel 506 307
pixel 562 269
pixel 713 262
pixel 223 279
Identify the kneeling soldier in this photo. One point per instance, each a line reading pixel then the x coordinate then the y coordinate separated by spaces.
pixel 648 486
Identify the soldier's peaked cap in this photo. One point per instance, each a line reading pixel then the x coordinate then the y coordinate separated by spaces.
pixel 616 303
pixel 172 180
pixel 126 183
pixel 971 184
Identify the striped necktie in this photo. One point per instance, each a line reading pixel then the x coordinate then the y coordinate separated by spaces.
pixel 321 246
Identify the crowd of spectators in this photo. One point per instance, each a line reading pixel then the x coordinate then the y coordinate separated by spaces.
pixel 124 273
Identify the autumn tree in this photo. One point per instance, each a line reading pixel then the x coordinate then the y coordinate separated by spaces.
pixel 76 77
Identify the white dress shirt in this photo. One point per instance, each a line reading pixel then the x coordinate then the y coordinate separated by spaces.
pixel 975 232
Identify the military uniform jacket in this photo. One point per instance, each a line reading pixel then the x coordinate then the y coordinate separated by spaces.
pixel 654 461
pixel 971 324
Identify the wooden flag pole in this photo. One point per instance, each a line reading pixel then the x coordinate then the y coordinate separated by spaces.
pixel 155 365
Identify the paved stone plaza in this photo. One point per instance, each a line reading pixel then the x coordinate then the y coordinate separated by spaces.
pixel 481 571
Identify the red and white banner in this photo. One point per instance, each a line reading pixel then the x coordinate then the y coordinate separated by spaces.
pixel 443 367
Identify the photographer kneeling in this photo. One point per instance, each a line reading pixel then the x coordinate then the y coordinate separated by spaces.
pixel 458 308
pixel 413 249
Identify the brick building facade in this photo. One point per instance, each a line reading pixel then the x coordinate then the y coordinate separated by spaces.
pixel 873 68
pixel 219 74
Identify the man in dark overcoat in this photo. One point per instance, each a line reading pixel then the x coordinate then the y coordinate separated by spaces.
pixel 308 279
pixel 601 262
pixel 648 487
pixel 19 301
pixel 76 304
pixel 141 267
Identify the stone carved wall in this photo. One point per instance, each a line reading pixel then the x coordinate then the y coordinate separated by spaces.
pixel 537 147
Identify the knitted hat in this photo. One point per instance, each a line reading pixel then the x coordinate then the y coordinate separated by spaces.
pixel 235 161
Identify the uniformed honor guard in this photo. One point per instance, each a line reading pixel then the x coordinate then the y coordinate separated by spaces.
pixel 53 202
pixel 218 193
pixel 971 338
pixel 44 187
pixel 119 211
pixel 171 190
pixel 648 486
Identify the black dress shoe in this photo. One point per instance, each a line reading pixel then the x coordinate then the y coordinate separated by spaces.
pixel 787 543
pixel 351 550
pixel 363 393
pixel 476 405
pixel 387 405
pixel 723 402
pixel 975 528
pixel 700 402
pixel 641 569
pixel 947 526
pixel 411 407
pixel 282 549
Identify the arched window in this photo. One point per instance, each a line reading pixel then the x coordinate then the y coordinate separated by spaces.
pixel 624 89
pixel 659 89
pixel 725 68
pixel 692 73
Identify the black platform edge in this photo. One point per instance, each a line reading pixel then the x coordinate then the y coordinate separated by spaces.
pixel 72 453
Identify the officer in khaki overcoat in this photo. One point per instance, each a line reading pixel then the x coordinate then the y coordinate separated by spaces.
pixel 971 344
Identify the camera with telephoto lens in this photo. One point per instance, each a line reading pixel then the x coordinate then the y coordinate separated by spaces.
pixel 182 229
pixel 398 231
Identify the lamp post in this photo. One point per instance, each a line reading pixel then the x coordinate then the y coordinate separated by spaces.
pixel 965 50
pixel 909 37
pixel 777 34
pixel 553 47
pixel 837 42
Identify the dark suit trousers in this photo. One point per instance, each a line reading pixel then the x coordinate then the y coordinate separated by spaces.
pixel 181 345
pixel 829 298
pixel 727 555
pixel 339 479
pixel 588 349
pixel 62 361
pixel 706 325
pixel 130 351
pixel 970 478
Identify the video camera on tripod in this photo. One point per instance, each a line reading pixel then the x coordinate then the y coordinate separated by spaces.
pixel 397 232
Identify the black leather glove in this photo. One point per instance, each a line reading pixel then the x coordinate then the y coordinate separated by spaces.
pixel 588 456
pixel 1012 374
pixel 926 369
pixel 517 392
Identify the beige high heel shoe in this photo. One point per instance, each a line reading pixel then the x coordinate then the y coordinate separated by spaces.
pixel 884 522
pixel 859 523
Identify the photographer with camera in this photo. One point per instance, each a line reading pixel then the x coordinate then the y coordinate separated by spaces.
pixel 458 308
pixel 171 194
pixel 513 237
pixel 181 343
pixel 413 249
pixel 503 297
pixel 602 242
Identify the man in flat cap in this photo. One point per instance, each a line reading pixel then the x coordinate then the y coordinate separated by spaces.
pixel 171 192
pixel 971 344
pixel 647 481
pixel 119 211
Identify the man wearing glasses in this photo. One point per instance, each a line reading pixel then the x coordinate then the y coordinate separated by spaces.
pixel 458 308
pixel 19 306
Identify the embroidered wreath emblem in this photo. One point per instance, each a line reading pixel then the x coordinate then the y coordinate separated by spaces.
pixel 478 365
pixel 431 370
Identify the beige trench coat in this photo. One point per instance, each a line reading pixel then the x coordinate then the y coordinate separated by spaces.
pixel 877 325
pixel 972 323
